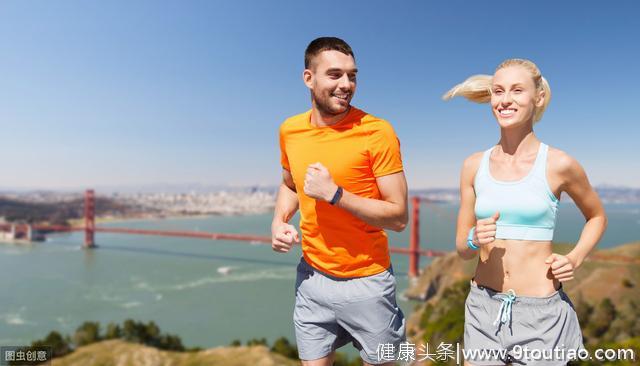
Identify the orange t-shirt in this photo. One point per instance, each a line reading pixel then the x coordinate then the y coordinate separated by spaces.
pixel 356 151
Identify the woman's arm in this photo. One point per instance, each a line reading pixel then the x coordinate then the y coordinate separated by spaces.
pixel 466 214
pixel 573 180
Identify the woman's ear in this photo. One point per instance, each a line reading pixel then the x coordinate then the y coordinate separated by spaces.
pixel 540 99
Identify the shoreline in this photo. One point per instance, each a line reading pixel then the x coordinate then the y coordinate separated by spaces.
pixel 18 242
pixel 118 219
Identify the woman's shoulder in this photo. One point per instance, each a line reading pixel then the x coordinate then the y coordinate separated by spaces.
pixel 560 162
pixel 472 162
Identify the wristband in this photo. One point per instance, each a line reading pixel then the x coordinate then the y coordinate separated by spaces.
pixel 470 239
pixel 336 196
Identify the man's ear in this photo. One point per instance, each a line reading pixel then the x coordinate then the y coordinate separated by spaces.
pixel 307 78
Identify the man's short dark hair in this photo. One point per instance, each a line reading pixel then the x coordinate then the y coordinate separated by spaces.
pixel 325 44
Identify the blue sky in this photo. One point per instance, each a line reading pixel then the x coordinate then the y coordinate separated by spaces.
pixel 142 92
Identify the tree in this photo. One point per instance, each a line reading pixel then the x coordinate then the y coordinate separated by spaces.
pixel 132 332
pixel 602 317
pixel 445 323
pixel 87 333
pixel 170 342
pixel 150 335
pixel 583 309
pixel 257 342
pixel 59 345
pixel 113 331
pixel 283 347
pixel 344 360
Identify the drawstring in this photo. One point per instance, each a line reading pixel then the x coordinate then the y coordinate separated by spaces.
pixel 504 314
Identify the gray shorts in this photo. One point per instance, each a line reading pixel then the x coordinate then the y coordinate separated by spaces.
pixel 545 326
pixel 331 312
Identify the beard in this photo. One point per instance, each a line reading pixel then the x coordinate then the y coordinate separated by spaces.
pixel 326 106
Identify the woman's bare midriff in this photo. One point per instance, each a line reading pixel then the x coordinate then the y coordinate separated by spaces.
pixel 518 265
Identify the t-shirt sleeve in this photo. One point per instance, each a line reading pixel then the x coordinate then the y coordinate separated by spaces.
pixel 384 150
pixel 284 159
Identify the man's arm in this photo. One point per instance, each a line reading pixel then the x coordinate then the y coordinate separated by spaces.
pixel 283 235
pixel 388 212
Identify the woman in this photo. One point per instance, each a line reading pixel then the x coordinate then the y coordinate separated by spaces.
pixel 509 201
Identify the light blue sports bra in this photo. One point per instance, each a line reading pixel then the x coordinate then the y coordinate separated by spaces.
pixel 527 207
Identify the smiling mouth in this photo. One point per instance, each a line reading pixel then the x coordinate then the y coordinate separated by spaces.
pixel 341 96
pixel 506 112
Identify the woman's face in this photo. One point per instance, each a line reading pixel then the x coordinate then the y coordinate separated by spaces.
pixel 514 97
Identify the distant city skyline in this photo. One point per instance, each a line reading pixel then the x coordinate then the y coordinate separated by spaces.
pixel 152 93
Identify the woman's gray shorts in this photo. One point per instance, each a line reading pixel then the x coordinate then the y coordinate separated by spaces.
pixel 547 327
pixel 331 312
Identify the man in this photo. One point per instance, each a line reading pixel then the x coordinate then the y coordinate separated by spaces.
pixel 343 168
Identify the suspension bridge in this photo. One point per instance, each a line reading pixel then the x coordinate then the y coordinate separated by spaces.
pixel 90 229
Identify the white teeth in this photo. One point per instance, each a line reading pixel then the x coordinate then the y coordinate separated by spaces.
pixel 507 112
pixel 340 96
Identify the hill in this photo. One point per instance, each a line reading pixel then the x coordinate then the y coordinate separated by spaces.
pixel 121 353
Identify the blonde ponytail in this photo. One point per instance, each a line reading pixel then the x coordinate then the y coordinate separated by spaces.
pixel 477 89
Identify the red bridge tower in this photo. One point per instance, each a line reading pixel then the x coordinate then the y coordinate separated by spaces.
pixel 89 218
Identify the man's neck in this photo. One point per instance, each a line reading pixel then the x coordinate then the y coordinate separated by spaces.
pixel 320 119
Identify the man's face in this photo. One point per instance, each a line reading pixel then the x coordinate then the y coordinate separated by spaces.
pixel 331 77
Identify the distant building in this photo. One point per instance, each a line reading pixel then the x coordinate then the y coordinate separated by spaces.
pixel 21 234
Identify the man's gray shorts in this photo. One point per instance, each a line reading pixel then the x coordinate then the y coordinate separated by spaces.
pixel 542 324
pixel 331 312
